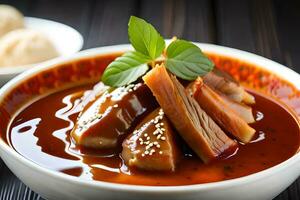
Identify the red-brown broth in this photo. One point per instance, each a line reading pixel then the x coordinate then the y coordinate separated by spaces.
pixel 40 132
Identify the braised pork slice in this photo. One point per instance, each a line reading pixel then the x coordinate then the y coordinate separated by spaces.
pixel 243 110
pixel 226 84
pixel 215 107
pixel 84 98
pixel 103 121
pixel 152 145
pixel 198 129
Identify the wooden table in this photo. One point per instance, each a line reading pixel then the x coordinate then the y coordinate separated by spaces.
pixel 265 27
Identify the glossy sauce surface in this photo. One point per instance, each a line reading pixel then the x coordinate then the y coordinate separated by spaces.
pixel 40 132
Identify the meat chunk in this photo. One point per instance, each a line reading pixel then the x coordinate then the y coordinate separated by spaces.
pixel 103 121
pixel 243 110
pixel 152 145
pixel 227 118
pixel 226 84
pixel 199 131
pixel 88 96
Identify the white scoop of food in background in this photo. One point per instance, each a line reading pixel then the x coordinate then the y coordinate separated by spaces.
pixel 25 46
pixel 10 19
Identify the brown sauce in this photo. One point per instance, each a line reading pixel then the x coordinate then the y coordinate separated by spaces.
pixel 40 132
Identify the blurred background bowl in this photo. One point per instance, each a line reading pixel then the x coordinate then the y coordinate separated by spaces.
pixel 66 40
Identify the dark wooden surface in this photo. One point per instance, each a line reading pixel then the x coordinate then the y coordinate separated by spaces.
pixel 265 27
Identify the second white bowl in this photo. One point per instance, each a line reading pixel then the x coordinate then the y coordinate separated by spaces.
pixel 66 40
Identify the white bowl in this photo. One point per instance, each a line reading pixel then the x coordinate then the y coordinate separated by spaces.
pixel 54 185
pixel 66 40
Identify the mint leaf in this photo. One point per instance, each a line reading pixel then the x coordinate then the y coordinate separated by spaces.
pixel 186 60
pixel 144 38
pixel 125 69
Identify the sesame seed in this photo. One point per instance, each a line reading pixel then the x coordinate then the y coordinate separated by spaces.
pixel 147 152
pixel 148 138
pixel 163 138
pixel 143 155
pixel 155 132
pixel 160 152
pixel 145 134
pixel 158 146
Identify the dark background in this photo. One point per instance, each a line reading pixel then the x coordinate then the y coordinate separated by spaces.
pixel 270 28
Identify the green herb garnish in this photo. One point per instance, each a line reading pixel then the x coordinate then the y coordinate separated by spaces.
pixel 186 60
pixel 125 69
pixel 144 38
pixel 182 58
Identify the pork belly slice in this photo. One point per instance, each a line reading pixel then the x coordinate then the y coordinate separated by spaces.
pixel 198 129
pixel 82 98
pixel 152 144
pixel 227 85
pixel 91 95
pixel 215 107
pixel 241 109
pixel 108 117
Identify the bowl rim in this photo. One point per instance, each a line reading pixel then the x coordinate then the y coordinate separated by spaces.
pixel 14 70
pixel 264 63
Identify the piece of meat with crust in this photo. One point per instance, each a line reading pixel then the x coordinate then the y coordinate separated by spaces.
pixel 105 120
pixel 215 107
pixel 227 85
pixel 152 145
pixel 198 129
